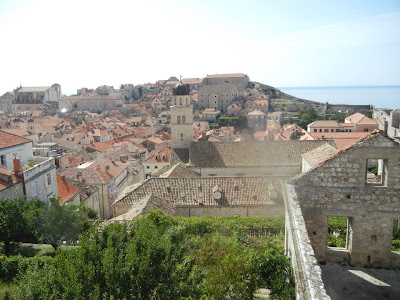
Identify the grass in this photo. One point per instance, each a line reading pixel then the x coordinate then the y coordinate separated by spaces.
pixel 29 250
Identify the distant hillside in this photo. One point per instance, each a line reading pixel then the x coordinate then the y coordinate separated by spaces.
pixel 280 101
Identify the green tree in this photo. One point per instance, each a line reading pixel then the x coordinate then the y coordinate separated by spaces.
pixel 12 222
pixel 339 117
pixel 59 222
pixel 140 92
pixel 306 117
pixel 19 221
pixel 296 135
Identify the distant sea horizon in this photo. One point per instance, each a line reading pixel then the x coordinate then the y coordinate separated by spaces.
pixel 381 96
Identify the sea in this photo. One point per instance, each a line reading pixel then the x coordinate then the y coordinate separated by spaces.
pixel 379 96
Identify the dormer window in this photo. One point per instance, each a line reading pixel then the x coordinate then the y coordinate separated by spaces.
pixel 217 194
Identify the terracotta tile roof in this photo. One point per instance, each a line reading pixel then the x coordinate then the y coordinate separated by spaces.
pixel 8 140
pixel 347 125
pixel 163 155
pixel 17 131
pixel 66 190
pixel 360 118
pixel 4 174
pixel 256 113
pixel 231 75
pixel 324 123
pixel 91 176
pixel 109 168
pixel 250 153
pixel 199 191
pixel 343 140
pixel 192 80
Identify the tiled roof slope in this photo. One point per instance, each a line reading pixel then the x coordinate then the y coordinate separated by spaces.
pixel 229 75
pixel 317 155
pixel 91 176
pixel 5 172
pixel 177 170
pixel 198 191
pixel 251 153
pixel 179 155
pixel 148 203
pixel 8 140
pixel 66 190
pixel 342 140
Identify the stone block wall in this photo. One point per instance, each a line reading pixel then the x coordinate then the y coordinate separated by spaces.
pixel 12 192
pixel 338 187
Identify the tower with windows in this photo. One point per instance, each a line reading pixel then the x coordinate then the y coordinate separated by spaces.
pixel 181 117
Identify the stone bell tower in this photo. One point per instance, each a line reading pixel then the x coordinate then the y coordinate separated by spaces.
pixel 181 117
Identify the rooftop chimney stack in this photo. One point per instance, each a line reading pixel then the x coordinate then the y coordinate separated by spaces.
pixel 17 167
pixel 79 175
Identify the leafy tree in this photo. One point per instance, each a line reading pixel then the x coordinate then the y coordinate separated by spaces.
pixel 339 117
pixel 59 222
pixel 12 222
pixel 140 92
pixel 19 221
pixel 306 117
pixel 160 257
pixel 296 135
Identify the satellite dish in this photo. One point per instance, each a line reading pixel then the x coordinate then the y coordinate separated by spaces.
pixel 63 110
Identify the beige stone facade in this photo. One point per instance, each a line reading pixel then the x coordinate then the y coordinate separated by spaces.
pixel 218 97
pixel 94 103
pixel 181 121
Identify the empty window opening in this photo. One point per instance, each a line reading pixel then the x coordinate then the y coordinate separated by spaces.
pixel 396 236
pixel 376 172
pixel 338 232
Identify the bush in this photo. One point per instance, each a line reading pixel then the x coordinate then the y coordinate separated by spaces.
pixel 160 257
pixel 12 266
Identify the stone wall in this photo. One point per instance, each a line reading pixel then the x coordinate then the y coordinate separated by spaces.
pixel 243 211
pixel 198 211
pixel 12 192
pixel 40 181
pixel 306 271
pixel 338 187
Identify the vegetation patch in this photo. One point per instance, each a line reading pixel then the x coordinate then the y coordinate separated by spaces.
pixel 160 257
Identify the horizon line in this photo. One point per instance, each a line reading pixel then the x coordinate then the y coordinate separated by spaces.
pixel 340 86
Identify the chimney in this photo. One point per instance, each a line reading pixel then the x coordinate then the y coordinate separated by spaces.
pixel 122 158
pixel 63 178
pixel 108 169
pixel 17 167
pixel 79 176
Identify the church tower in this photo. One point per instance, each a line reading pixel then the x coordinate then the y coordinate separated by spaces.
pixel 181 117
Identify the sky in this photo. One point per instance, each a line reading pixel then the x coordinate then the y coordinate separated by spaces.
pixel 85 43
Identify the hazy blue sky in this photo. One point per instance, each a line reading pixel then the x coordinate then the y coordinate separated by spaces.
pixel 281 43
